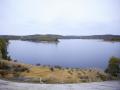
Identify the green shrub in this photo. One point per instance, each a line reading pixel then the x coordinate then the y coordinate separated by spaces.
pixel 70 72
pixel 113 66
pixel 52 69
pixel 3 73
pixel 20 68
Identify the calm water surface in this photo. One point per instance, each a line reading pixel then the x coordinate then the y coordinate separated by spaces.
pixel 68 53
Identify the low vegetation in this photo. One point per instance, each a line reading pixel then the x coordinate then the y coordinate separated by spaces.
pixel 9 69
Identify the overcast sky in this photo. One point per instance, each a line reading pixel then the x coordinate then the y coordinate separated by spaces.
pixel 65 17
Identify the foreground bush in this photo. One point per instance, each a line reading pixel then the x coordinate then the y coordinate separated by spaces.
pixel 3 48
pixel 114 67
pixel 7 67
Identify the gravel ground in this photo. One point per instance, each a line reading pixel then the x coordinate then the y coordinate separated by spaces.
pixel 107 85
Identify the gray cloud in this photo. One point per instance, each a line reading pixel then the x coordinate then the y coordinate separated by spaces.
pixel 79 17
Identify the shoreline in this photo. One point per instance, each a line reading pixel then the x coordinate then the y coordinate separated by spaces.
pixel 50 75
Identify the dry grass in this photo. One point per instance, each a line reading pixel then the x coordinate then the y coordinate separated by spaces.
pixel 46 75
pixel 9 69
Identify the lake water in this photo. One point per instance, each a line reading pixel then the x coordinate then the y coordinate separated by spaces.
pixel 76 53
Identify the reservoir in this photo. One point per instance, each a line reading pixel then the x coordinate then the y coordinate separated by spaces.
pixel 77 53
